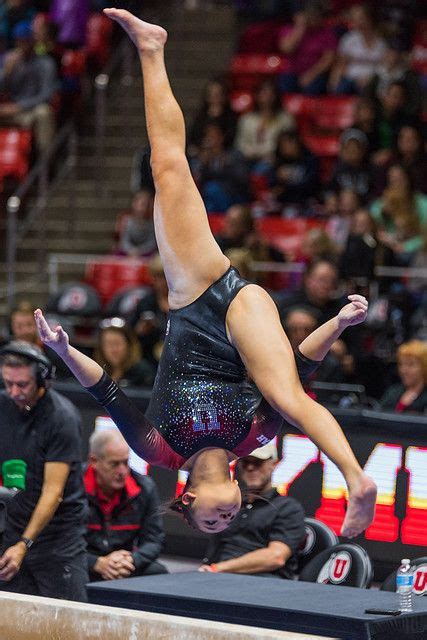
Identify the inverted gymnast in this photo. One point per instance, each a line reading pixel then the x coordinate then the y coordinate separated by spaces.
pixel 227 376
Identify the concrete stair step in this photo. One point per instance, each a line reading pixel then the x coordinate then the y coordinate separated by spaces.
pixel 66 245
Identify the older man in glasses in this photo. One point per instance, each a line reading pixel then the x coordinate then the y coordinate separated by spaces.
pixel 266 534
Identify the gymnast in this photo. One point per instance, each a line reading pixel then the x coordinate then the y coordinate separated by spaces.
pixel 227 377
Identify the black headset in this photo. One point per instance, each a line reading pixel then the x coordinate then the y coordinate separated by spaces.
pixel 45 369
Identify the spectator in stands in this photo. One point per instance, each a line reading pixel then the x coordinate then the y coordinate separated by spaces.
pixel 135 228
pixel 22 323
pixel 241 259
pixel 266 534
pixel 119 352
pixel 337 365
pixel 215 109
pixel 309 47
pixel 258 131
pixel 45 39
pixel 30 81
pixel 395 68
pixel 365 120
pixel 239 232
pixel 41 430
pixel 150 316
pixel 410 395
pixel 319 290
pixel 360 51
pixel 352 170
pixel 391 117
pixel 71 18
pixel 359 256
pixel 316 245
pixel 11 13
pixel 400 212
pixel 295 172
pixel 409 152
pixel 340 209
pixel 124 529
pixel 221 173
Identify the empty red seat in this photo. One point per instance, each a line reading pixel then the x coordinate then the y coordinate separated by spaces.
pixel 419 58
pixel 112 274
pixel 247 70
pixel 297 103
pixel 73 63
pixel 98 39
pixel 15 149
pixel 286 234
pixel 332 113
pixel 322 146
pixel 241 101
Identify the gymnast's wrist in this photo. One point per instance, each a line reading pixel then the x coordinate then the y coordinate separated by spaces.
pixel 214 567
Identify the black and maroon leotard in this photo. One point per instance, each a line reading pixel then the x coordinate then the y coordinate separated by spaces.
pixel 201 395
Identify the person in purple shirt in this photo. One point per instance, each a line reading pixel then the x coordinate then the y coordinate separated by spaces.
pixel 310 49
pixel 71 18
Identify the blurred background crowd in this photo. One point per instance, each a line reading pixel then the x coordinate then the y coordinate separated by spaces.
pixel 310 155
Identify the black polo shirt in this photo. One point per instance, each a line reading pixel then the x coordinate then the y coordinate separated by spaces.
pixel 49 432
pixel 270 518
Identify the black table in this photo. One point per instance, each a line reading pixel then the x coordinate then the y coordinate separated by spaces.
pixel 267 602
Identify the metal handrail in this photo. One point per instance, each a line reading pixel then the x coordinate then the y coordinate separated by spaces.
pixel 56 259
pixel 16 231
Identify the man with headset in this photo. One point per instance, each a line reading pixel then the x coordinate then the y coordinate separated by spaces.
pixel 43 549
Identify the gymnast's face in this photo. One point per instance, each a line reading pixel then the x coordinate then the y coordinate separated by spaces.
pixel 213 508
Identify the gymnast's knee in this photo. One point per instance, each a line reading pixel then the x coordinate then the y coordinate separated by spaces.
pixel 169 164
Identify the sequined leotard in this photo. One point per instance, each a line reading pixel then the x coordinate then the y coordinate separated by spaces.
pixel 201 396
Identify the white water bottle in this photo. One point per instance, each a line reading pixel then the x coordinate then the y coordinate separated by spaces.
pixel 404 584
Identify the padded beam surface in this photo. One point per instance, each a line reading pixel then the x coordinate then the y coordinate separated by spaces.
pixel 32 618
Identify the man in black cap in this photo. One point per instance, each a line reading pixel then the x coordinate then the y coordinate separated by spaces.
pixel 265 536
pixel 42 551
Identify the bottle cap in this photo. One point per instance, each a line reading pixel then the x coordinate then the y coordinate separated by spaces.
pixel 406 561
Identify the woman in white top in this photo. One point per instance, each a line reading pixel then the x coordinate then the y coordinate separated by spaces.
pixel 258 131
pixel 360 51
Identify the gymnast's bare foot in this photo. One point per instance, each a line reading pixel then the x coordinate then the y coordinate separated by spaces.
pixel 361 506
pixel 145 36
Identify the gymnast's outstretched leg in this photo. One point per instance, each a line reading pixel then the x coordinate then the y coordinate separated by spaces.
pixel 191 257
pixel 192 261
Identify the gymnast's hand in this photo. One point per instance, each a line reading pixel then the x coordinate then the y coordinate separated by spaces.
pixel 57 339
pixel 353 313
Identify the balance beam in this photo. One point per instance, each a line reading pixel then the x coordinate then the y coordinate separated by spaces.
pixel 33 618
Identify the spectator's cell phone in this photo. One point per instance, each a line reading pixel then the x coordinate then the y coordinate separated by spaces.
pixel 384 612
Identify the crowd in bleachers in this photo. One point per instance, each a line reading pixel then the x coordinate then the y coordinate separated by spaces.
pixel 46 47
pixel 310 157
pixel 311 151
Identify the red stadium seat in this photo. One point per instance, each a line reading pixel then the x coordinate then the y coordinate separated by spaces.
pixel 73 63
pixel 110 275
pixel 419 58
pixel 322 146
pixel 332 113
pixel 241 101
pixel 286 234
pixel 98 39
pixel 247 70
pixel 15 149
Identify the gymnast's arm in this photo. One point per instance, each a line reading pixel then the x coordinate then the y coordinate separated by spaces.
pixel 315 347
pixel 141 436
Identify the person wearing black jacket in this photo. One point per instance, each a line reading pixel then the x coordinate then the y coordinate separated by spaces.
pixel 265 536
pixel 124 528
